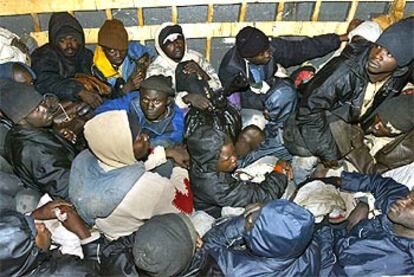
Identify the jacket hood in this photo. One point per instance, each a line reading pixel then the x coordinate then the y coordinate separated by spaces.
pixel 61 23
pixel 158 46
pixel 18 251
pixel 283 229
pixel 110 139
pixel 204 146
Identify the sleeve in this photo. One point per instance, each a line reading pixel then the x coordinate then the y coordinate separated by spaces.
pixel 228 74
pixel 46 66
pixel 324 92
pixel 48 168
pixel 225 234
pixel 294 52
pixel 214 82
pixel 385 190
pixel 241 193
pixel 121 103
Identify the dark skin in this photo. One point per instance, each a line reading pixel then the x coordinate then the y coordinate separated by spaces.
pixel 40 117
pixel 248 140
pixel 401 214
pixel 379 129
pixel 22 75
pixel 175 49
pixel 227 161
pixel 154 104
pixel 69 45
pixel 381 64
pixel 141 146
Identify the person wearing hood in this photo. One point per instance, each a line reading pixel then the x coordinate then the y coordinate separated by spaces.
pixel 212 161
pixel 109 184
pixel 57 63
pixel 273 240
pixel 117 61
pixel 163 246
pixel 348 90
pixel 25 244
pixel 40 157
pixel 172 49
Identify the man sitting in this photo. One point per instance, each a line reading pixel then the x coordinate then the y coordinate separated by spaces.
pixel 40 157
pixel 57 63
pixel 172 49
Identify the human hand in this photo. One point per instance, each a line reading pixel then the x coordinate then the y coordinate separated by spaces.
pixel 331 164
pixel 179 154
pixel 134 82
pixel 199 242
pixel 90 98
pixel 285 168
pixel 360 212
pixel 198 101
pixel 69 135
pixel 47 212
pixel 335 181
pixel 74 223
pixel 193 67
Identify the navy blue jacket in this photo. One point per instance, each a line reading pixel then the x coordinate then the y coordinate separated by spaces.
pixel 371 248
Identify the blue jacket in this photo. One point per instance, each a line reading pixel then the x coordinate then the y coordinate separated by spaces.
pixel 166 132
pixel 279 244
pixel 371 248
pixel 280 102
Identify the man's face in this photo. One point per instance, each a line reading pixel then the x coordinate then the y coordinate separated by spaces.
pixel 261 58
pixel 69 45
pixel 43 237
pixel 402 211
pixel 175 49
pixel 115 56
pixel 247 141
pixel 380 61
pixel 227 161
pixel 154 104
pixel 40 117
pixel 141 146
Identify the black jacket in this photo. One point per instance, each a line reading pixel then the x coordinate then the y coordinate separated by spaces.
pixel 55 71
pixel 285 52
pixel 41 159
pixel 213 190
pixel 339 89
pixel 19 255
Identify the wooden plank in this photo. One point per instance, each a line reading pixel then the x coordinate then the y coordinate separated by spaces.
pixel 36 22
pixel 226 29
pixel 352 10
pixel 108 13
pixel 243 11
pixel 210 14
pixel 316 10
pixel 174 14
pixel 140 16
pixel 279 10
pixel 16 7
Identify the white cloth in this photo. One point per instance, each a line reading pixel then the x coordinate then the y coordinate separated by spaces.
pixel 368 30
pixel 9 53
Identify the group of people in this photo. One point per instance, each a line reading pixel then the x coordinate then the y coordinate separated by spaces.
pixel 133 161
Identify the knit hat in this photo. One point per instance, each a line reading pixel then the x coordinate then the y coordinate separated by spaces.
pixel 159 83
pixel 169 34
pixel 368 30
pixel 17 100
pixel 398 39
pixel 251 41
pixel 397 113
pixel 164 245
pixel 113 35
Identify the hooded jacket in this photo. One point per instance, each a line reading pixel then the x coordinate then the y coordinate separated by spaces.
pixel 279 244
pixel 55 71
pixel 20 256
pixel 213 190
pixel 163 65
pixel 284 52
pixel 339 89
pixel 41 159
pixel 109 187
pixel 371 248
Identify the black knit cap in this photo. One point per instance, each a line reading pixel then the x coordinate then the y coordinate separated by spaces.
pixel 398 39
pixel 173 29
pixel 251 41
pixel 17 100
pixel 398 112
pixel 159 83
